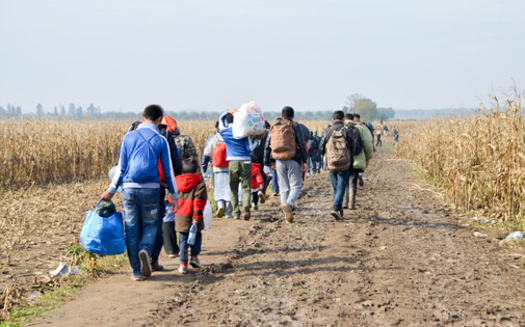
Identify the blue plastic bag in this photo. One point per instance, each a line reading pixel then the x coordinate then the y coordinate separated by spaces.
pixel 101 235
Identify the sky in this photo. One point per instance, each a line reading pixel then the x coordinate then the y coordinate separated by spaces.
pixel 210 55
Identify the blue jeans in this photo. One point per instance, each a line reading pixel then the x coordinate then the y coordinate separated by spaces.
pixel 312 162
pixel 159 238
pixel 275 183
pixel 339 183
pixel 141 212
pixel 195 248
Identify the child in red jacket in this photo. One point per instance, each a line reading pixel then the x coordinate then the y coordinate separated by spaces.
pixel 192 200
pixel 257 185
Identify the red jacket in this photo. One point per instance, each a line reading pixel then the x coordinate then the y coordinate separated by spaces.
pixel 192 200
pixel 257 180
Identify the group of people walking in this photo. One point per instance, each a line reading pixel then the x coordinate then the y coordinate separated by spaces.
pixel 155 156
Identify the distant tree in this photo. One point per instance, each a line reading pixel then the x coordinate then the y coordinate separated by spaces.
pixel 386 113
pixel 3 112
pixel 351 100
pixel 39 111
pixel 79 112
pixel 366 108
pixel 55 112
pixel 72 111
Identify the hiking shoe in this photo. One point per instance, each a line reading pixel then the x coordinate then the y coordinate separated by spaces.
pixel 195 262
pixel 336 214
pixel 183 270
pixel 276 194
pixel 360 179
pixel 288 213
pixel 172 255
pixel 247 213
pixel 138 278
pixel 145 265
pixel 262 198
pixel 220 213
pixel 156 267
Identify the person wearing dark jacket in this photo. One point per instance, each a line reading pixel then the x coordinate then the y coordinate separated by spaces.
pixel 340 178
pixel 289 171
pixel 258 158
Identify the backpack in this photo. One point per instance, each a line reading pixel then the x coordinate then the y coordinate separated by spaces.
pixel 142 159
pixel 312 144
pixel 338 157
pixel 282 140
pixel 219 156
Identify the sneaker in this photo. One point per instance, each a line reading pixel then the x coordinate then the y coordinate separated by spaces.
pixel 228 216
pixel 262 198
pixel 336 214
pixel 138 278
pixel 345 205
pixel 195 262
pixel 183 270
pixel 145 265
pixel 288 213
pixel 156 267
pixel 172 255
pixel 360 179
pixel 246 213
pixel 275 194
pixel 255 207
pixel 220 213
pixel 237 217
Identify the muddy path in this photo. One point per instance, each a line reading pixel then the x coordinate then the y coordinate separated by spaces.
pixel 401 259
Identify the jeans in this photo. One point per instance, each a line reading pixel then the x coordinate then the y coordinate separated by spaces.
pixel 141 210
pixel 290 180
pixel 379 142
pixel 275 183
pixel 159 239
pixel 195 248
pixel 312 162
pixel 339 183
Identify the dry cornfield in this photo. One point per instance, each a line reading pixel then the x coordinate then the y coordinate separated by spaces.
pixel 35 152
pixel 478 160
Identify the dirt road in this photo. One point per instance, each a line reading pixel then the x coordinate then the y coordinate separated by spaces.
pixel 400 259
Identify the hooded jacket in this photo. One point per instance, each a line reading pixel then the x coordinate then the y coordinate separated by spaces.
pixel 140 152
pixel 192 200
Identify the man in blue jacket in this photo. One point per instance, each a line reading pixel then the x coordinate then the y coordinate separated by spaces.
pixel 238 153
pixel 138 173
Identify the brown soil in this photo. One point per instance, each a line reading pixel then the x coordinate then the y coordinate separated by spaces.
pixel 401 259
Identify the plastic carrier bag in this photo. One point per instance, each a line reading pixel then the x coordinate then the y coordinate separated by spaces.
pixel 248 121
pixel 207 215
pixel 103 235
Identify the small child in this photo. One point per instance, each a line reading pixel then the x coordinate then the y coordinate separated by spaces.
pixel 257 185
pixel 192 200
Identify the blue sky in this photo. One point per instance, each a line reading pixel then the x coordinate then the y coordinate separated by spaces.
pixel 214 55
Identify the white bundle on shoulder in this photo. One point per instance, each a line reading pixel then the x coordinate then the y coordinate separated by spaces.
pixel 248 121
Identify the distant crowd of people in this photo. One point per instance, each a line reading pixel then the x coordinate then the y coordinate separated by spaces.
pixel 154 157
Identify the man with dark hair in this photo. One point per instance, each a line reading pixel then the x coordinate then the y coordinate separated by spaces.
pixel 286 145
pixel 138 173
pixel 339 144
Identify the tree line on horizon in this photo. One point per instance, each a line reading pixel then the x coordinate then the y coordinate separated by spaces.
pixel 355 104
